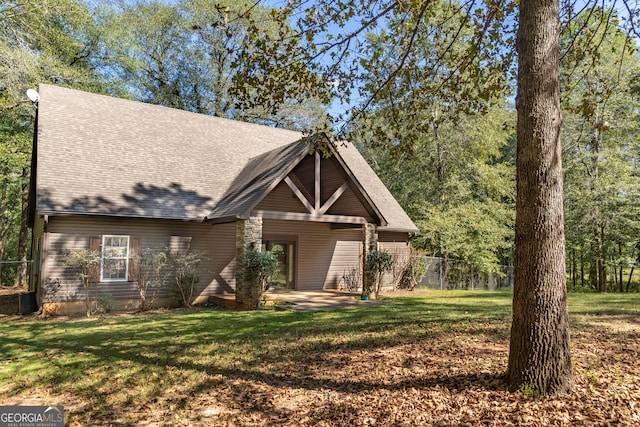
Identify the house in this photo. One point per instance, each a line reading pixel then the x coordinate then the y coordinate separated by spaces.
pixel 115 175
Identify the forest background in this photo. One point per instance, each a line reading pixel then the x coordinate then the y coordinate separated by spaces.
pixel 448 156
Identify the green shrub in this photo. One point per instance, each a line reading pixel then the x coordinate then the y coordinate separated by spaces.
pixel 185 274
pixel 105 303
pixel 261 267
pixel 412 274
pixel 86 264
pixel 378 262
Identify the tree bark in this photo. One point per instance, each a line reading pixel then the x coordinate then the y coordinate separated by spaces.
pixel 602 265
pixel 444 270
pixel 4 229
pixel 621 267
pixel 23 240
pixel 593 271
pixel 574 268
pixel 539 354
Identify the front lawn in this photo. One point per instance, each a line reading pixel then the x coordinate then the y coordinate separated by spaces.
pixel 437 358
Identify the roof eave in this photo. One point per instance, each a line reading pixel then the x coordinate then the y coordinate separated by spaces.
pixel 222 219
pixel 354 179
pixel 57 213
pixel 283 174
pixel 399 229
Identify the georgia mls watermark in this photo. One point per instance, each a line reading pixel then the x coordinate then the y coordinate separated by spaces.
pixel 31 416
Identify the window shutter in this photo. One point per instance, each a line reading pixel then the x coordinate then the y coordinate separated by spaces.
pixel 94 247
pixel 134 252
pixel 94 244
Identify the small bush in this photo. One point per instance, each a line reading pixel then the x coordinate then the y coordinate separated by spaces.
pixel 261 268
pixel 413 273
pixel 351 279
pixel 105 303
pixel 149 271
pixel 185 275
pixel 86 264
pixel 378 262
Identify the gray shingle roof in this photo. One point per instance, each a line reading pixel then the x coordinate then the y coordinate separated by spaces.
pixel 257 178
pixel 107 156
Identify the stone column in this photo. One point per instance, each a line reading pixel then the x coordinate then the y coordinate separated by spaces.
pixel 370 240
pixel 248 236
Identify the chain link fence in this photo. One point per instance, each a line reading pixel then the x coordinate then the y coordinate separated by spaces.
pixel 462 275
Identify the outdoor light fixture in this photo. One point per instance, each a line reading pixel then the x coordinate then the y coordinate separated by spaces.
pixel 33 95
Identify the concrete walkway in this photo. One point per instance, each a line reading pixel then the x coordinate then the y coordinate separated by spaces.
pixel 288 299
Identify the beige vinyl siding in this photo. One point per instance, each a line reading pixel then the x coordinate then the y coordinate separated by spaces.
pixel 217 273
pixel 331 176
pixel 37 243
pixel 392 242
pixel 322 254
pixel 350 204
pixel 305 172
pixel 347 255
pixel 282 198
pixel 393 236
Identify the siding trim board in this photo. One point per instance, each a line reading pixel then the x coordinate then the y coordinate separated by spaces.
pixel 345 219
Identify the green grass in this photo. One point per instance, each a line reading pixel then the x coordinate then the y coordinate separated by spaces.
pixel 605 303
pixel 120 366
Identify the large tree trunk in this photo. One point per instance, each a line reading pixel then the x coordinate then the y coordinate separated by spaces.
pixel 574 268
pixel 4 229
pixel 539 355
pixel 23 240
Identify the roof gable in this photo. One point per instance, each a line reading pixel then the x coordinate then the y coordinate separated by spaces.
pixel 99 155
pixel 257 179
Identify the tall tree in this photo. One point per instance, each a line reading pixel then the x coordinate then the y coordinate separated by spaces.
pixel 434 151
pixel 195 55
pixel 40 41
pixel 454 183
pixel 539 354
pixel 600 132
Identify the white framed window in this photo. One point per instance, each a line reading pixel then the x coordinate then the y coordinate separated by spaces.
pixel 114 261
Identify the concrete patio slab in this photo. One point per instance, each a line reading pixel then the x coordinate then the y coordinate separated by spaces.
pixel 290 299
pixel 287 299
